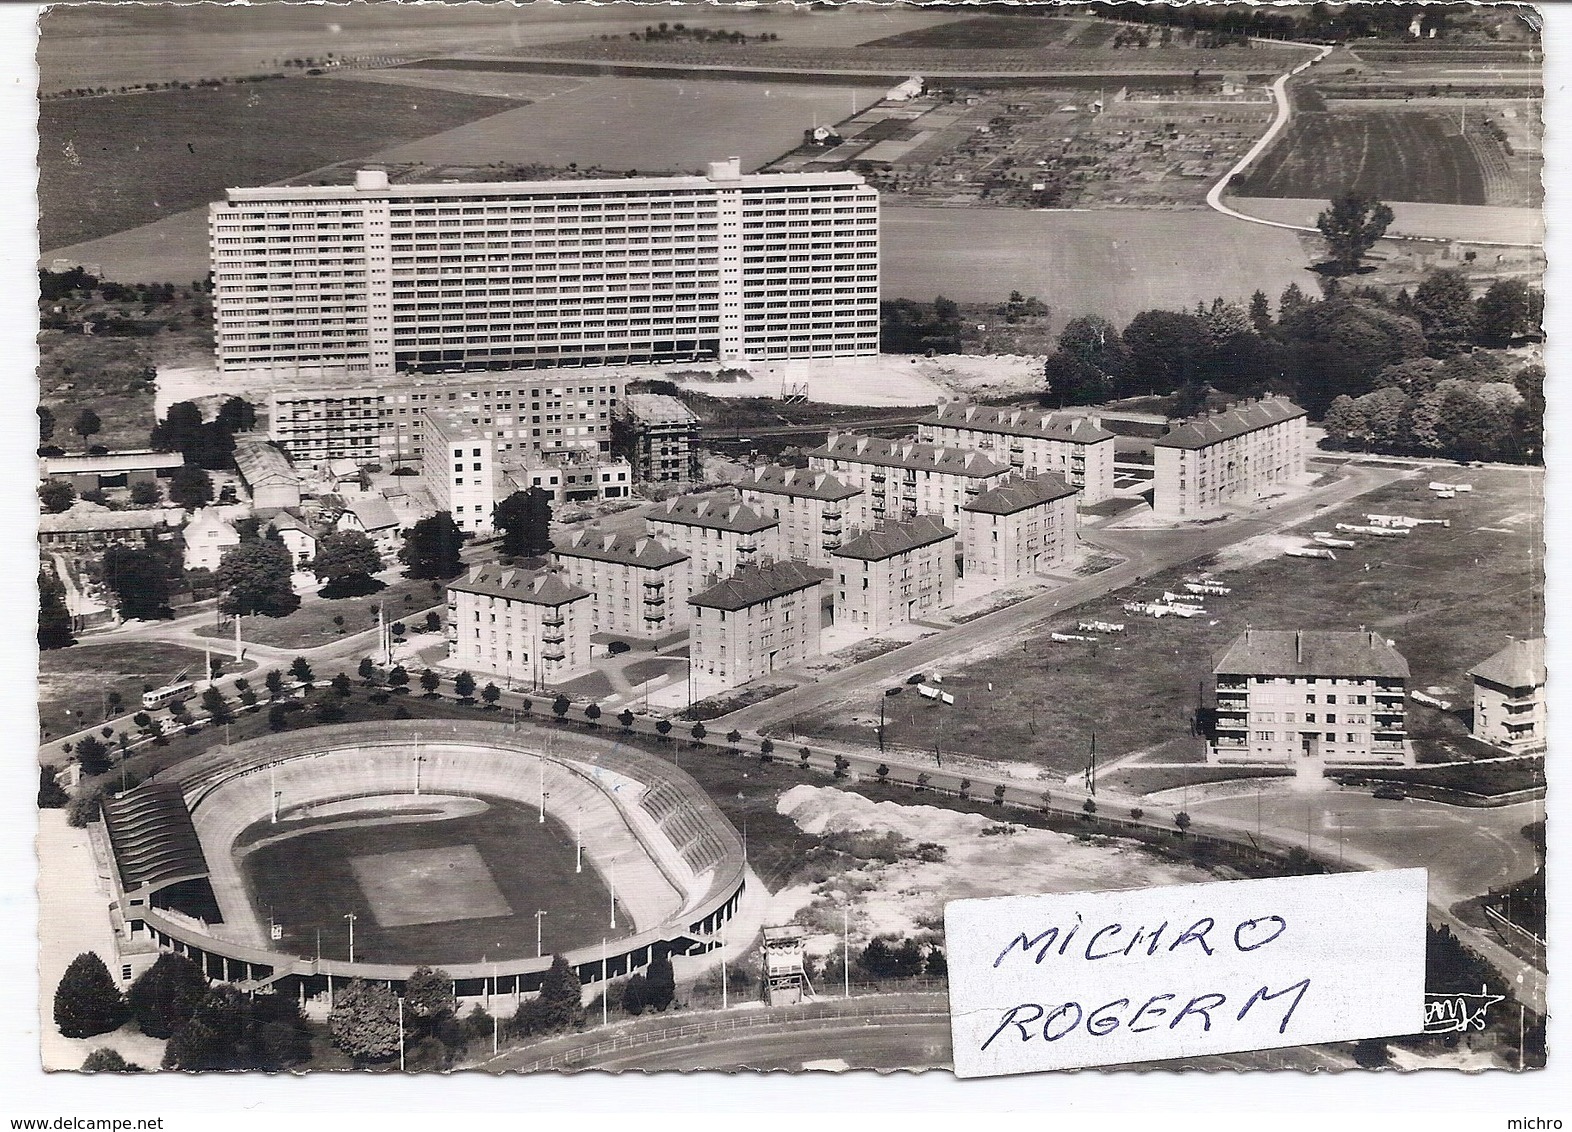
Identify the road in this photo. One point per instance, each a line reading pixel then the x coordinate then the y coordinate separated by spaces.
pixel 1146 552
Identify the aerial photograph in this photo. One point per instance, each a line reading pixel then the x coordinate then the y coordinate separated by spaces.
pixel 568 533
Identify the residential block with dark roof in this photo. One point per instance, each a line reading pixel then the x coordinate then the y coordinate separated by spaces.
pixel 1204 464
pixel 638 586
pixel 895 573
pixel 757 621
pixel 901 479
pixel 1075 448
pixel 718 534
pixel 811 507
pixel 1022 527
pixel 1509 698
pixel 1304 698
pixel 530 627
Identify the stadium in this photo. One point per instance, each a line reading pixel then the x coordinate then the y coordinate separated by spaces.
pixel 296 861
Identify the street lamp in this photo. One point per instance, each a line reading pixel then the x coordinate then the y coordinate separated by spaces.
pixel 417 760
pixel 612 870
pixel 540 915
pixel 578 842
pixel 351 917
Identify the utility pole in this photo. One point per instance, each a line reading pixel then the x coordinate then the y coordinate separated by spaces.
pixel 540 915
pixel 612 869
pixel 351 917
pixel 605 987
pixel 846 950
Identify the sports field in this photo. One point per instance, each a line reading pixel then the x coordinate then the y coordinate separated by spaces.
pixel 441 890
pixel 108 164
pixel 1448 597
pixel 1388 154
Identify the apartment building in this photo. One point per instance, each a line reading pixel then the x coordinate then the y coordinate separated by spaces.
pixel 571 476
pixel 1020 528
pixel 810 506
pixel 659 436
pixel 897 572
pixel 717 534
pixel 1077 449
pixel 761 619
pixel 637 587
pixel 528 626
pixel 1230 457
pixel 456 469
pixel 900 479
pixel 524 411
pixel 1285 696
pixel 373 278
pixel 1509 698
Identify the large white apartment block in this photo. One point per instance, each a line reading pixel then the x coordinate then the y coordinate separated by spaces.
pixel 457 469
pixel 810 506
pixel 1020 528
pixel 637 587
pixel 899 572
pixel 525 411
pixel 374 277
pixel 528 626
pixel 719 535
pixel 1235 456
pixel 758 621
pixel 901 479
pixel 1334 697
pixel 1509 698
pixel 1076 449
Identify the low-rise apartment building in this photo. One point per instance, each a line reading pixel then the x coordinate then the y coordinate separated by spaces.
pixel 810 506
pixel 1020 528
pixel 1509 698
pixel 901 479
pixel 456 469
pixel 571 476
pixel 1077 449
pixel 1335 697
pixel 659 436
pixel 898 572
pixel 1204 464
pixel 637 586
pixel 761 619
pixel 718 535
pixel 529 626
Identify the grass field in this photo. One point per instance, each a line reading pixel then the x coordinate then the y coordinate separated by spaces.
pixel 312 624
pixel 993 33
pixel 1412 218
pixel 80 678
pixel 504 854
pixel 108 164
pixel 1388 154
pixel 1448 597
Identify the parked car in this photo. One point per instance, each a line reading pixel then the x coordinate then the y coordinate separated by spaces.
pixel 1390 792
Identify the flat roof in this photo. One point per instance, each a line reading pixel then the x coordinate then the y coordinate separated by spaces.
pixel 658 408
pixel 132 461
pixel 454 424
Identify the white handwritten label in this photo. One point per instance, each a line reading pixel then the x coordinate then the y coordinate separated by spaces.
pixel 1110 978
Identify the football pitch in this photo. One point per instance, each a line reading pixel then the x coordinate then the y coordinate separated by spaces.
pixel 452 891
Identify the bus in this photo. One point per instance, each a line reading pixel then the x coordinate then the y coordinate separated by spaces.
pixel 168 694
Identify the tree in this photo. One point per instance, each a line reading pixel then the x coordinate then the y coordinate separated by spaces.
pixel 1165 348
pixel 431 550
pixel 87 425
pixel 341 685
pixel 560 706
pixel 166 995
pixel 663 728
pixel 274 682
pixel 430 682
pixel 490 694
pixel 145 493
pixel 237 415
pixel 46 424
pixel 766 749
pixel 525 521
pixel 54 620
pixel 936 966
pixel 1260 312
pixel 698 733
pixel 51 795
pixel 1351 227
pixel 278 717
pixel 87 1002
pixel 398 678
pixel 55 496
pixel 255 578
pixel 139 579
pixel 190 487
pixel 364 1021
pixel 625 717
pixel 429 997
pixel 367 670
pixel 633 995
pixel 300 670
pixel 1501 313
pixel 1090 363
pixel 592 713
pixel 215 705
pixel 1444 303
pixel 109 1061
pixel 345 563
pixel 464 687
pixel 559 996
pixel 1182 820
pixel 660 983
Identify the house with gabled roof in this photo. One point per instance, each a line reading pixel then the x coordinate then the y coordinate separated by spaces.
pixel 718 534
pixel 811 507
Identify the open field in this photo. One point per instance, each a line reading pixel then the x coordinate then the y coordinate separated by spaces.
pixel 652 125
pixel 80 678
pixel 1000 33
pixel 1437 221
pixel 1448 597
pixel 1388 154
pixel 498 867
pixel 312 624
pixel 108 164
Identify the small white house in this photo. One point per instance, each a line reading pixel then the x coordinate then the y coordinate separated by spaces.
pixel 207 536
